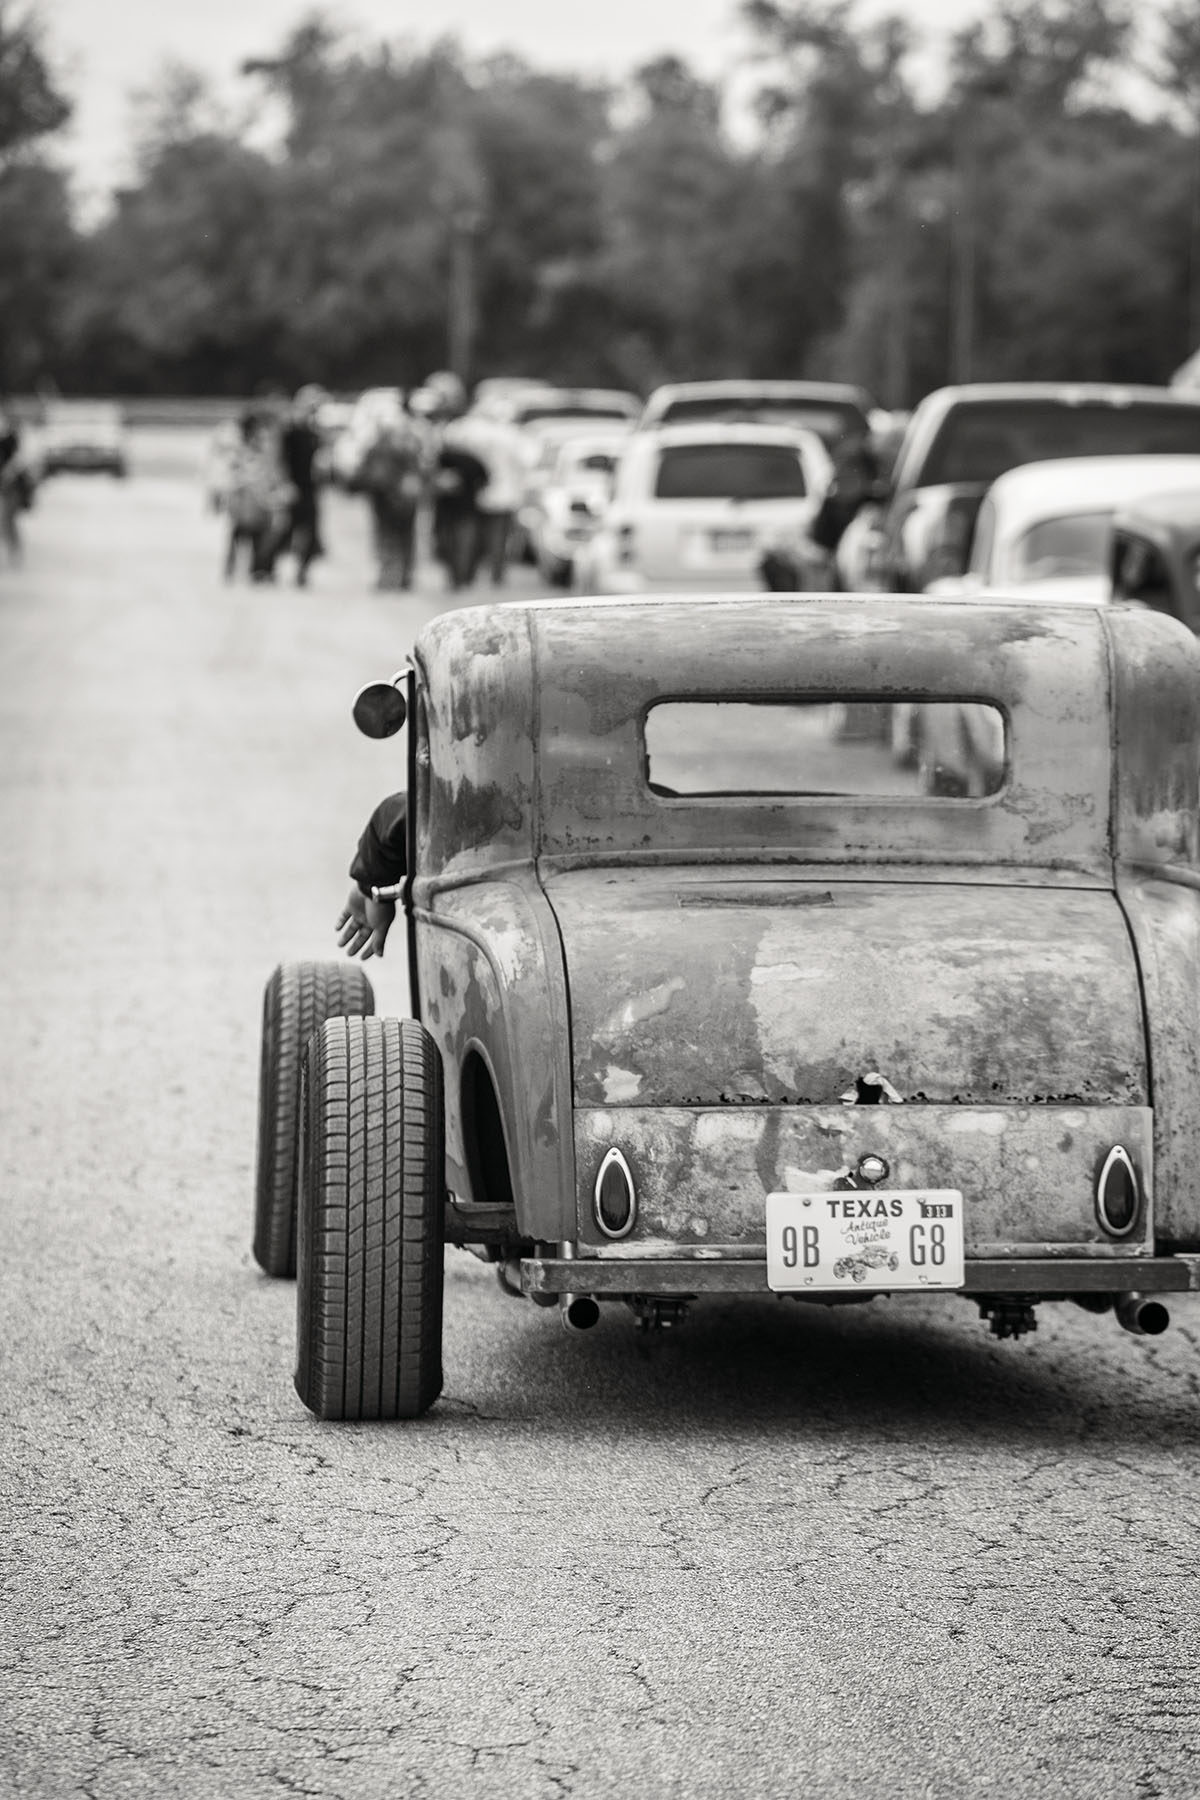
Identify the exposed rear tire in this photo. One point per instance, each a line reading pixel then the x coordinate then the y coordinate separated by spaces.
pixel 372 1222
pixel 298 999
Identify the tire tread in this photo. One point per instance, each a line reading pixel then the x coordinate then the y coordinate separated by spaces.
pixel 369 1300
pixel 297 1000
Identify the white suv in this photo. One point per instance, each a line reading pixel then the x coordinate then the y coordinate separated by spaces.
pixel 694 505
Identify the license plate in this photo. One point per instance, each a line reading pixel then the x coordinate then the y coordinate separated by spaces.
pixel 726 542
pixel 864 1240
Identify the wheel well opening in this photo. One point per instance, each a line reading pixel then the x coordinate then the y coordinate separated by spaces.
pixel 483 1135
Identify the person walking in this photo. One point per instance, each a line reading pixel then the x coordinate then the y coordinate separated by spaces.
pixel 391 477
pixel 298 530
pixel 17 484
pixel 460 476
pixel 501 449
pixel 256 500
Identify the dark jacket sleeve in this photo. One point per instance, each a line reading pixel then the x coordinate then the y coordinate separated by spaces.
pixel 382 855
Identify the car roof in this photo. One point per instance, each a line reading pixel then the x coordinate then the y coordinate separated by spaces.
pixel 1173 506
pixel 565 399
pixel 496 386
pixel 735 386
pixel 1081 483
pixel 1110 393
pixel 727 431
pixel 1104 704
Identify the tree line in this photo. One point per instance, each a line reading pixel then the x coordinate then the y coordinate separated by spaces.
pixel 1038 216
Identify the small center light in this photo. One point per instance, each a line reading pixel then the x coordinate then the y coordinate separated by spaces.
pixel 873 1169
pixel 613 1197
pixel 1118 1195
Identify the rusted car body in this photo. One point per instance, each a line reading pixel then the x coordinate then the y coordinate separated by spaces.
pixel 697 983
pixel 725 995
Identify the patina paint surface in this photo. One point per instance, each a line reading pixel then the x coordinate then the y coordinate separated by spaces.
pixel 1156 733
pixel 491 979
pixel 1156 726
pixel 732 991
pixel 476 777
pixel 601 667
pixel 964 950
pixel 1027 1173
pixel 1165 919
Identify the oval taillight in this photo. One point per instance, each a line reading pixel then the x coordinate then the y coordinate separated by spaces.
pixel 1118 1193
pixel 614 1196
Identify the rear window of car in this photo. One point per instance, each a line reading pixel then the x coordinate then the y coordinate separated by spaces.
pixel 979 441
pixel 831 420
pixel 729 472
pixel 852 749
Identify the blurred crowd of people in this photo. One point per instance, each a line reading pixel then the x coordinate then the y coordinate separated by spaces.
pixel 424 458
pixel 429 471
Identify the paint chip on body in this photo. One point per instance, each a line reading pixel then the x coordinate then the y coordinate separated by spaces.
pixel 620 1084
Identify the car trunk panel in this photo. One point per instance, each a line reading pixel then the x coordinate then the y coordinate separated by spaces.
pixel 717 992
pixel 1027 1174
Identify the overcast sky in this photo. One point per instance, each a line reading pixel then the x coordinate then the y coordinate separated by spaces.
pixel 105 48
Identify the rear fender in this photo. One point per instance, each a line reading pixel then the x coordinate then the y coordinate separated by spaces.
pixel 1165 921
pixel 491 981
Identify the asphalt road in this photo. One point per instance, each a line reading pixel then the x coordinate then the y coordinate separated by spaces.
pixel 784 1552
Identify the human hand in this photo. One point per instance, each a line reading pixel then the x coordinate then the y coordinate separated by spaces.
pixel 363 924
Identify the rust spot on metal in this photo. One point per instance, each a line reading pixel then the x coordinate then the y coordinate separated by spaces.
pixel 758 895
pixel 871 1089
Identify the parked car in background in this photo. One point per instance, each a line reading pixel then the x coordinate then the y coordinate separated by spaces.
pixel 564 511
pixel 501 390
pixel 545 418
pixel 543 445
pixel 961 439
pixel 81 437
pixel 693 506
pixel 833 409
pixel 712 997
pixel 567 408
pixel 1044 530
pixel 1155 554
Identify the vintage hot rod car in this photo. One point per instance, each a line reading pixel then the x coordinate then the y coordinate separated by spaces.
pixel 715 992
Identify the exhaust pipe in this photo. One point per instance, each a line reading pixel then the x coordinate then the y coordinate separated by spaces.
pixel 579 1312
pixel 1142 1316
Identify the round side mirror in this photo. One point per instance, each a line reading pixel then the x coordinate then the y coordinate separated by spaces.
pixel 379 709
